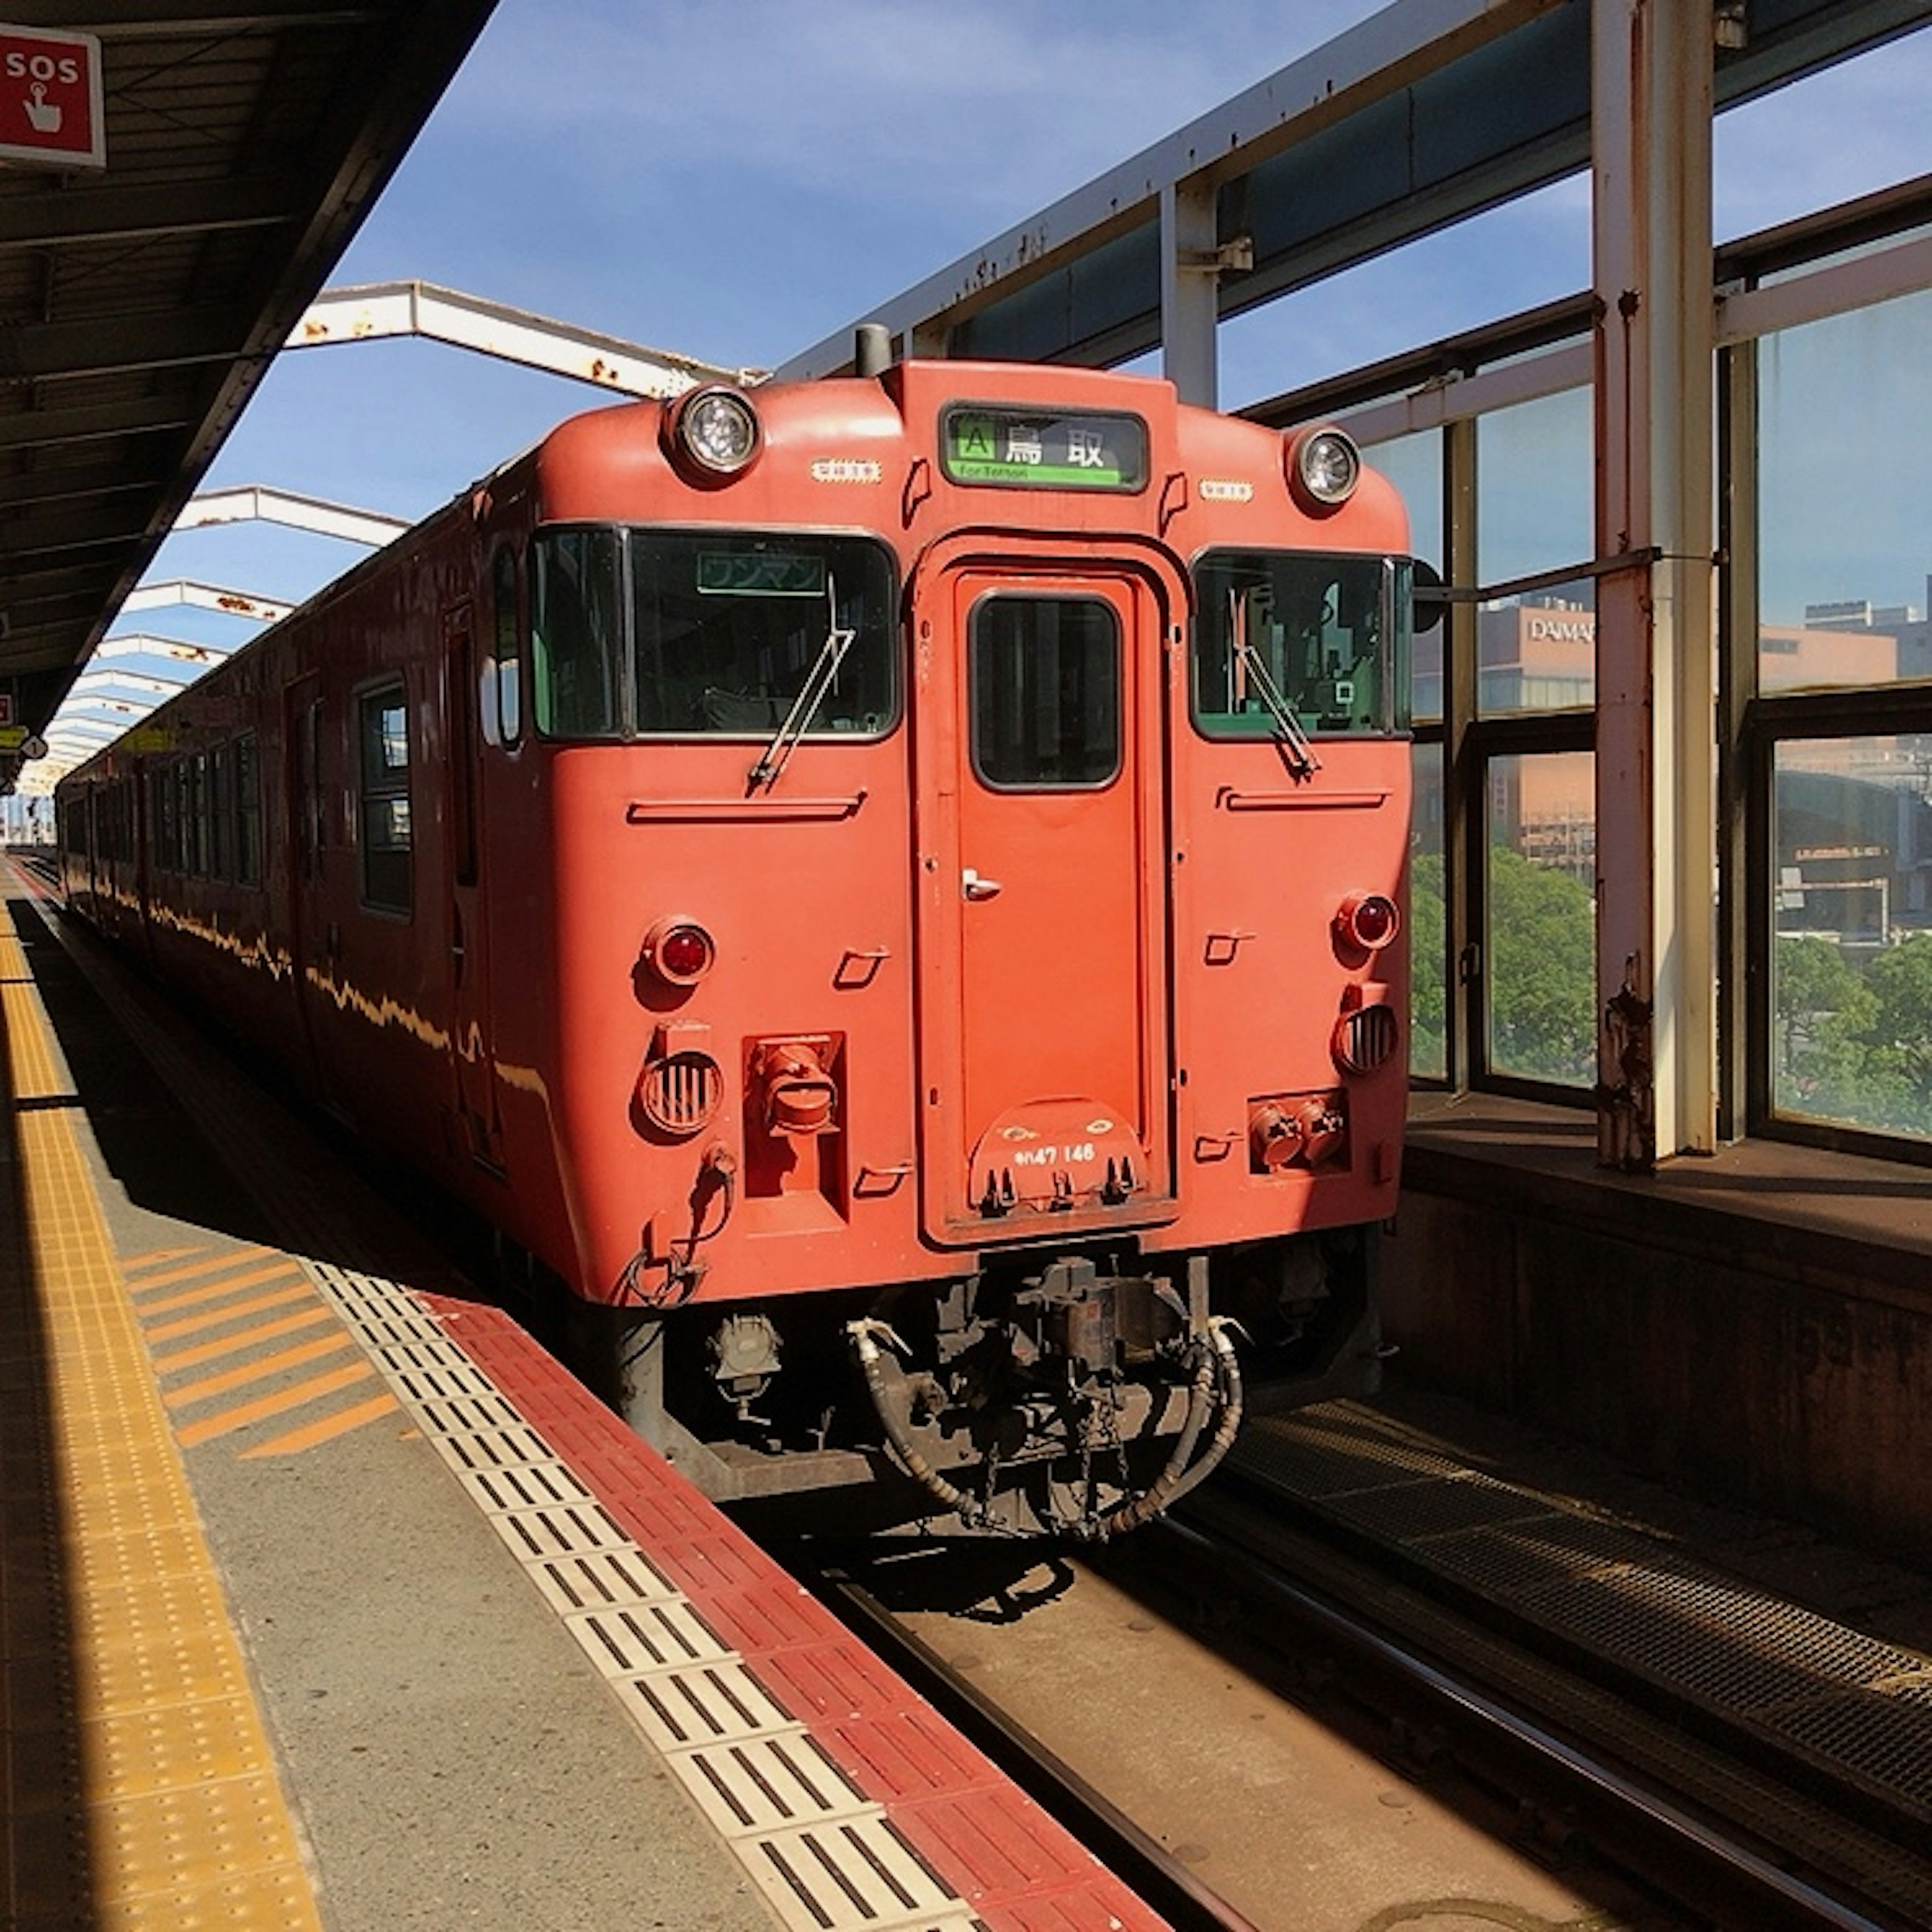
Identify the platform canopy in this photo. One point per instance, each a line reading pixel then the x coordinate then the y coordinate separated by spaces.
pixel 144 290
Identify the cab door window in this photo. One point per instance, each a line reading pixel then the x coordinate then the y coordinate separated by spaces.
pixel 1043 679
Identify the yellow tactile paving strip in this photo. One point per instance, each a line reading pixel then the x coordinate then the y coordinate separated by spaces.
pixel 182 1823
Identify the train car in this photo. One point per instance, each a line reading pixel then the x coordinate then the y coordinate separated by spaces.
pixel 885 890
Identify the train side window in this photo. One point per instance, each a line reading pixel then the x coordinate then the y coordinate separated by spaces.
pixel 1043 677
pixel 505 650
pixel 573 633
pixel 247 812
pixel 311 806
pixel 221 812
pixel 388 844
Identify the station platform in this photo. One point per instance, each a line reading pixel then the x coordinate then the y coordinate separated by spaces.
pixel 329 1600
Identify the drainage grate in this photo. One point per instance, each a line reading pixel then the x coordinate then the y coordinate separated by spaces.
pixel 1856 1707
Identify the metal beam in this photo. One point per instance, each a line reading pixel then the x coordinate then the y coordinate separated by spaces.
pixel 121 344
pixel 112 677
pixel 255 502
pixel 206 597
pixel 145 645
pixel 94 422
pixel 1428 112
pixel 382 309
pixel 61 216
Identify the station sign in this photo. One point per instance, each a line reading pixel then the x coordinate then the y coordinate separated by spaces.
pixel 50 99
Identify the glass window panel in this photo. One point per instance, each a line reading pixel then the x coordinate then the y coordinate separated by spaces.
pixel 1851 1003
pixel 1538 652
pixel 1414 464
pixel 1428 922
pixel 1842 489
pixel 388 879
pixel 1330 634
pixel 248 812
pixel 504 647
pixel 730 625
pixel 1044 677
pixel 1535 481
pixel 1773 160
pixel 574 632
pixel 1540 899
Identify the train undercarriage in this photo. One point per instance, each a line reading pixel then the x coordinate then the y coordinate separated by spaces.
pixel 1069 1394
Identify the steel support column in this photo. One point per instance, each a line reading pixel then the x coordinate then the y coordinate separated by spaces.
pixel 1652 111
pixel 1189 292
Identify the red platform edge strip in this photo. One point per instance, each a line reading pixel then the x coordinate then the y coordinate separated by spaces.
pixel 1016 1868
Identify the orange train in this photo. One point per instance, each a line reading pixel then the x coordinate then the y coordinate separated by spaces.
pixel 885 891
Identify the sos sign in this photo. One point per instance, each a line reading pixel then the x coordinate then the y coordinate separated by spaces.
pixel 50 98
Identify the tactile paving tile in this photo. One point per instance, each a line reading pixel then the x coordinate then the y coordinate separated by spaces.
pixel 856 1876
pixel 184 1823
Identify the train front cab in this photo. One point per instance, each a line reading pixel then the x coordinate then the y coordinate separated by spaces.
pixel 1055 1004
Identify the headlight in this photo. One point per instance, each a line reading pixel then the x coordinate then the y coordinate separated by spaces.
pixel 713 434
pixel 1324 466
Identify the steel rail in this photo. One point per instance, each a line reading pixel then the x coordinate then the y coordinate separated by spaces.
pixel 1655 1837
pixel 1137 1859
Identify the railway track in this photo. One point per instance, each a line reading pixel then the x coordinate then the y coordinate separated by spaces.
pixel 1588 1798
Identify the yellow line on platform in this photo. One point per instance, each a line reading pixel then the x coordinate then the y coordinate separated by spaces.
pixel 325 1430
pixel 199 1324
pixel 195 1270
pixel 225 1421
pixel 248 1338
pixel 278 1363
pixel 186 1820
pixel 283 1269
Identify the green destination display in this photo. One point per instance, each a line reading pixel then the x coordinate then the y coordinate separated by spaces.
pixel 1037 450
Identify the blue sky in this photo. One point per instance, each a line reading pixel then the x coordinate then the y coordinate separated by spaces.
pixel 737 178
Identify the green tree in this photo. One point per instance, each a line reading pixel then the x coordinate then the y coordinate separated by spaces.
pixel 1542 971
pixel 1429 1001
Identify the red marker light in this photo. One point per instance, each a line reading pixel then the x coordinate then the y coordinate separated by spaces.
pixel 679 951
pixel 1369 920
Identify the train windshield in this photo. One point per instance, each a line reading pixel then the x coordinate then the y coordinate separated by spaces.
pixel 729 628
pixel 710 633
pixel 1287 642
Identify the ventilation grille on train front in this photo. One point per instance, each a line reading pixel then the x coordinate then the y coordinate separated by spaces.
pixel 1365 1039
pixel 681 1092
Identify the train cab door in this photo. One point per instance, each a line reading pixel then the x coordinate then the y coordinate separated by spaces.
pixel 472 1061
pixel 1044 1032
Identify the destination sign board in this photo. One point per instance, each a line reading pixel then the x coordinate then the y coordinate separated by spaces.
pixel 1037 449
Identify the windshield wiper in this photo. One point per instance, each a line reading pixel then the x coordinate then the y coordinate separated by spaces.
pixel 1293 739
pixel 811 695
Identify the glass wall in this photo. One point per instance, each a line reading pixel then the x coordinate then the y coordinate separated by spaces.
pixel 1536 649
pixel 1428 922
pixel 1540 908
pixel 1844 478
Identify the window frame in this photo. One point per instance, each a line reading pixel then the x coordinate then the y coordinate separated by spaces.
pixel 1121 721
pixel 399 905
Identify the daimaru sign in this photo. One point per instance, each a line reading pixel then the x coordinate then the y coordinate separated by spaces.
pixel 50 111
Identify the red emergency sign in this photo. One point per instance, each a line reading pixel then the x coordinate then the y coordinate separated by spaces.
pixel 50 112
